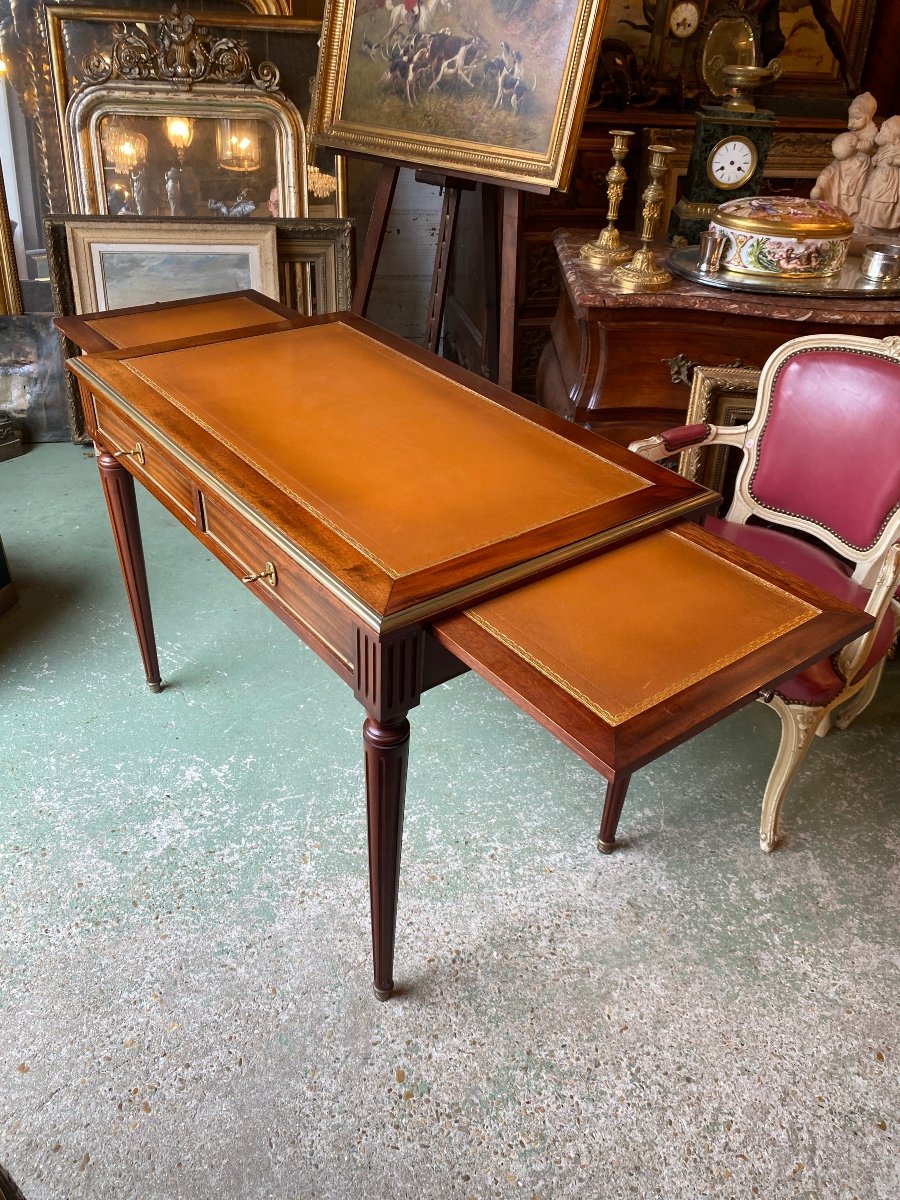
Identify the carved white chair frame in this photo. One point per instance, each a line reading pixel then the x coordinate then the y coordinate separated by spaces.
pixel 876 568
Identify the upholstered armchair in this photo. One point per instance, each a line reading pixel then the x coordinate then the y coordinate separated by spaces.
pixel 818 493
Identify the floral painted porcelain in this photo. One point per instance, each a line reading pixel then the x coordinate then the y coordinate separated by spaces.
pixel 788 237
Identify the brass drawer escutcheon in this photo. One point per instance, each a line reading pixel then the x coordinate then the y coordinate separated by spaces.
pixel 268 573
pixel 137 452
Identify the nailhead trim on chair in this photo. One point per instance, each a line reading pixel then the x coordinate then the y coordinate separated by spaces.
pixel 885 357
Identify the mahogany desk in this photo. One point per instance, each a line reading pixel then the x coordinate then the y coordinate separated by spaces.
pixel 450 524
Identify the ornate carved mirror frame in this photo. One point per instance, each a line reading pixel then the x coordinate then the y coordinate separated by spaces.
pixel 188 73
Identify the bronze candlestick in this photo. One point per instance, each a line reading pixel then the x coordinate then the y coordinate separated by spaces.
pixel 607 248
pixel 643 274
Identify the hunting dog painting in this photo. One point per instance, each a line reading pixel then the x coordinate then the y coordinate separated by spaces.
pixel 486 71
pixel 493 89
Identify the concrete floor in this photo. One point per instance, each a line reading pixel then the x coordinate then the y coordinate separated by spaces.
pixel 184 947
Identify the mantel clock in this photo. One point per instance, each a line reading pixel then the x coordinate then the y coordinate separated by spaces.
pixel 728 159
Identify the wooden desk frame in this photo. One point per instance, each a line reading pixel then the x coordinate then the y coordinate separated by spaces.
pixel 390 662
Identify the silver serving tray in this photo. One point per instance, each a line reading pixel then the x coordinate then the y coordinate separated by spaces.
pixel 850 284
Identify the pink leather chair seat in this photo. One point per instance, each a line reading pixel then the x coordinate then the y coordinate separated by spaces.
pixel 820 683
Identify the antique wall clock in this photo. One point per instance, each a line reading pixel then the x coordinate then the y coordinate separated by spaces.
pixel 671 66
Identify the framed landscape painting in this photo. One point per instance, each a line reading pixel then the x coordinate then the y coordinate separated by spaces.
pixel 484 89
pixel 115 265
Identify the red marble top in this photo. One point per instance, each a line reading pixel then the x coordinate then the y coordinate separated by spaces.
pixel 590 287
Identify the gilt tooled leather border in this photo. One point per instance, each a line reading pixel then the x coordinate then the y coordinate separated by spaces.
pixel 808 613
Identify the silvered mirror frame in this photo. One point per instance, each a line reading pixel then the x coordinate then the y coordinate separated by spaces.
pixel 83 152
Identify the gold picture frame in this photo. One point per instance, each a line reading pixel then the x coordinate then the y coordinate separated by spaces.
pixel 808 65
pixel 10 289
pixel 124 264
pixel 719 396
pixel 481 102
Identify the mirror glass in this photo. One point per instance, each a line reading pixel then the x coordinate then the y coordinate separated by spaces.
pixel 730 42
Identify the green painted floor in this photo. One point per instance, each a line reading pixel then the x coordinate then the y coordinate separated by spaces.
pixel 184 948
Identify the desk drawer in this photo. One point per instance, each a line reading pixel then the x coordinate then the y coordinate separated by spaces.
pixel 302 599
pixel 150 465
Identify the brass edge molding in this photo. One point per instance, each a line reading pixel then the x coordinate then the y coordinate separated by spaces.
pixel 468 593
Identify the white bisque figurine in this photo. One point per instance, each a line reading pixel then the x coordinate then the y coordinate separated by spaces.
pixel 864 177
pixel 843 181
pixel 880 207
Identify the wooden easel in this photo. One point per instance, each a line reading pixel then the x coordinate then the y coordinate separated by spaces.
pixel 507 284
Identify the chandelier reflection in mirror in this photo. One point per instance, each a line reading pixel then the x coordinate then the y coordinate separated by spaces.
pixel 180 132
pixel 237 144
pixel 123 148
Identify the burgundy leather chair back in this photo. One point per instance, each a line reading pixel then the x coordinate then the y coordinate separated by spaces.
pixel 830 447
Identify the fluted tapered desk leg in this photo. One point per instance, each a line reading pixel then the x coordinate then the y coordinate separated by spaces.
pixel 118 489
pixel 387 753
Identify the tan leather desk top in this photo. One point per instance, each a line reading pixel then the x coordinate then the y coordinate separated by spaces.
pixel 455 472
pixel 630 628
pixel 627 654
pixel 431 484
pixel 164 324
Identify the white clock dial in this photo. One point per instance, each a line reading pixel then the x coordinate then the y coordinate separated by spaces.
pixel 684 19
pixel 731 162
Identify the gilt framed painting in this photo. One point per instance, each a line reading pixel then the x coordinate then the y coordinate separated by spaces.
pixel 115 264
pixel 484 89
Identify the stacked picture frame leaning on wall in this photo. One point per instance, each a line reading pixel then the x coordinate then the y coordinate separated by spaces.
pixel 10 290
pixel 96 263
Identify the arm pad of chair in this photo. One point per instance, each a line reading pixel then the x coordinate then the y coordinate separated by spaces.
pixel 671 441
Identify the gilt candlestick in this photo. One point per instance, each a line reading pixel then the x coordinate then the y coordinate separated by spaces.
pixel 643 273
pixel 607 247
